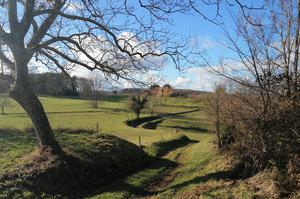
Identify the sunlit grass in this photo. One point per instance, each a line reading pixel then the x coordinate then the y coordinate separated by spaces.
pixel 196 160
pixel 76 113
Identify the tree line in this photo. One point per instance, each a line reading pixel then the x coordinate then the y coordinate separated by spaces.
pixel 56 84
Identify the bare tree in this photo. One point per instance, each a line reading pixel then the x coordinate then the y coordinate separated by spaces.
pixel 151 104
pixel 63 34
pixel 263 108
pixel 97 88
pixel 4 87
pixel 110 36
pixel 166 92
pixel 84 87
pixel 2 67
pixel 4 102
pixel 215 103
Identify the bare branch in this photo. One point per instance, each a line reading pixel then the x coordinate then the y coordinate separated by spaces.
pixel 12 16
pixel 28 16
pixel 56 62
pixel 47 23
pixel 6 60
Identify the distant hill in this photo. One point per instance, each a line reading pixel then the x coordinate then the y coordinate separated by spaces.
pixel 176 92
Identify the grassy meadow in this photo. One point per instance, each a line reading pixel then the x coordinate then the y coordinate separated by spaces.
pixel 111 114
pixel 178 174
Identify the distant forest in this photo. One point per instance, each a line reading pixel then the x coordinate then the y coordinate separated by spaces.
pixel 58 84
pixel 46 84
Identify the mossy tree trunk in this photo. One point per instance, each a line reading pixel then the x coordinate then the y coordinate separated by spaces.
pixel 22 92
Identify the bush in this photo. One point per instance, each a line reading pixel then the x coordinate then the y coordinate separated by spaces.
pixel 137 104
pixel 262 139
pixel 226 135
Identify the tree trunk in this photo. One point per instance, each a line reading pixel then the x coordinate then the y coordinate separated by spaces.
pixel 96 99
pixel 22 92
pixel 33 107
pixel 218 119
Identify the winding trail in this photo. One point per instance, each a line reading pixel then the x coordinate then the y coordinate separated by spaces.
pixel 167 177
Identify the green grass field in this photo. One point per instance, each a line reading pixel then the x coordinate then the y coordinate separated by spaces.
pixel 196 163
pixel 111 114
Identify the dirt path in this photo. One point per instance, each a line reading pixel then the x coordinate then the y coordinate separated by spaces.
pixel 167 177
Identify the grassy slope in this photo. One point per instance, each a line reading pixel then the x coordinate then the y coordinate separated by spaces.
pixel 196 161
pixel 200 173
pixel 76 113
pixel 91 159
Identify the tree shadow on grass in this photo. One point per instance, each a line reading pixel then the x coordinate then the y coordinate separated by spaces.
pixel 140 190
pixel 99 110
pixel 112 98
pixel 73 177
pixel 235 173
pixel 150 122
pixel 16 136
pixel 194 129
pixel 136 122
pixel 182 106
pixel 152 125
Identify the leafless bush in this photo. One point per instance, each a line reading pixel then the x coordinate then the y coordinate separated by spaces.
pixel 260 111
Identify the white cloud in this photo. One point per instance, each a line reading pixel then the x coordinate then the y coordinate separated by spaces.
pixel 182 82
pixel 204 42
pixel 73 7
pixel 196 78
pixel 207 77
pixel 81 72
pixel 103 50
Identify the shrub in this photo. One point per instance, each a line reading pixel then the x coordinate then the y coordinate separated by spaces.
pixel 137 104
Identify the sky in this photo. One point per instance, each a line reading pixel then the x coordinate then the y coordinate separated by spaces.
pixel 210 39
pixel 208 35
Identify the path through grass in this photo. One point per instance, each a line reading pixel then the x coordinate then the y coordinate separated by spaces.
pixel 194 169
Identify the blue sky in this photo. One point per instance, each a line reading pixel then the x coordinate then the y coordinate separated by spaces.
pixel 211 38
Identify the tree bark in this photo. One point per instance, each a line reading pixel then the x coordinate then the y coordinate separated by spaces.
pixel 22 92
pixel 33 107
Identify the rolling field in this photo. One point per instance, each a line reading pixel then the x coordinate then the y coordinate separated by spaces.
pixel 191 170
pixel 111 114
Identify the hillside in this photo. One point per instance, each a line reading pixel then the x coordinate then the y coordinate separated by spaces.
pixel 175 91
pixel 185 170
